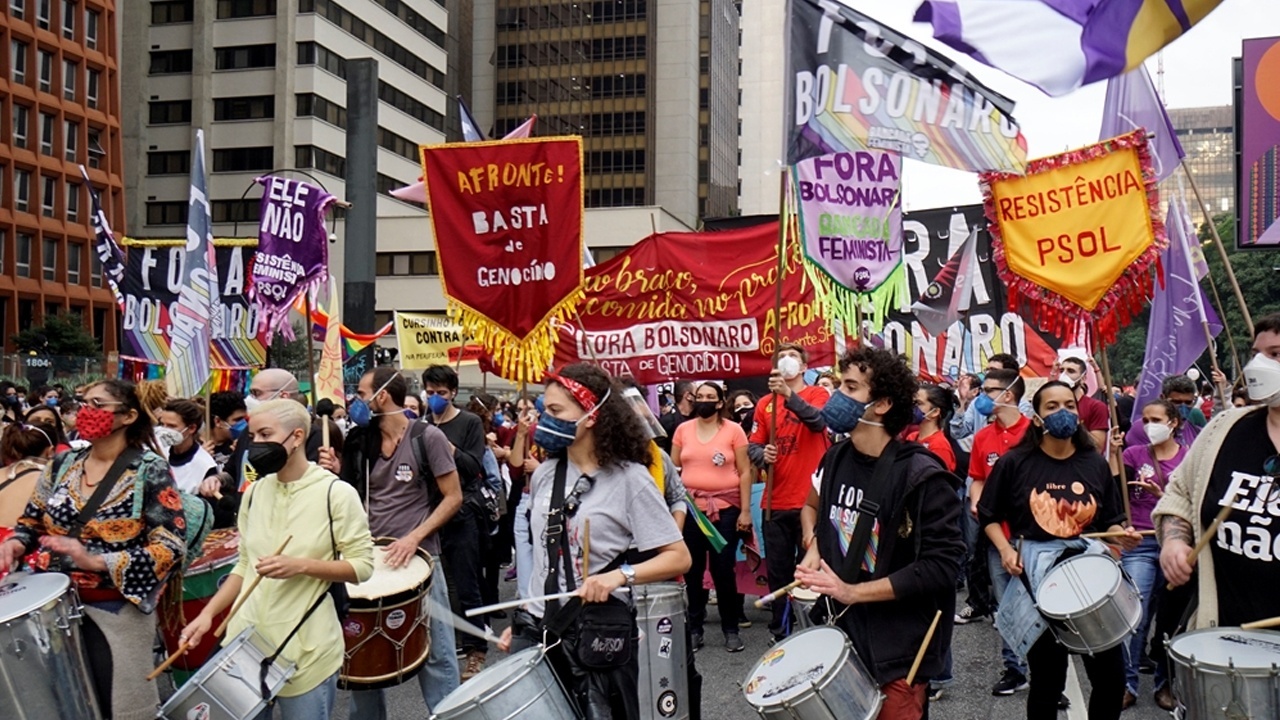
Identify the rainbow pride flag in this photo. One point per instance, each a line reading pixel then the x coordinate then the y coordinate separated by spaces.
pixel 352 342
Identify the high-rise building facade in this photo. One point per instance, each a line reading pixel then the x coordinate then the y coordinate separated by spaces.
pixel 266 81
pixel 61 109
pixel 1207 135
pixel 651 85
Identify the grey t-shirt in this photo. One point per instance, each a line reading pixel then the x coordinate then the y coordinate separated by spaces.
pixel 625 509
pixel 398 497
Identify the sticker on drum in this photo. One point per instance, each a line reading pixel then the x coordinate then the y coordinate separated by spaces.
pixel 395 619
pixel 1229 647
pixel 668 704
pixel 664 647
pixel 199 712
pixel 664 626
pixel 781 676
pixel 352 628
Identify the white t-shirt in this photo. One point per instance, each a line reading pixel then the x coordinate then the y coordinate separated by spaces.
pixel 189 475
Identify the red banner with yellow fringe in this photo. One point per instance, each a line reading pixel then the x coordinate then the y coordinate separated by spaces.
pixel 1076 237
pixel 508 219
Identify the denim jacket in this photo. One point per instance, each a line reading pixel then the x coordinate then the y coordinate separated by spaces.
pixel 1020 622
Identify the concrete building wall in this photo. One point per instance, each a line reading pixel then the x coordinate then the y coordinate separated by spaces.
pixel 763 61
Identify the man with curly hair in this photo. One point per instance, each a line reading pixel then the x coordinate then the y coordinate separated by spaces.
pixel 882 531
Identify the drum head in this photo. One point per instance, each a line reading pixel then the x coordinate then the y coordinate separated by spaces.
pixel 387 581
pixel 793 666
pixel 220 549
pixel 491 680
pixel 24 592
pixel 1220 646
pixel 804 594
pixel 1077 584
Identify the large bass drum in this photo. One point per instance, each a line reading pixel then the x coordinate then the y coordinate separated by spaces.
pixel 43 672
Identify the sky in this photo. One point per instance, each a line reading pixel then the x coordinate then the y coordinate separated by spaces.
pixel 1197 73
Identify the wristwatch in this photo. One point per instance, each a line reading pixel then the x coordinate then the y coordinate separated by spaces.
pixel 628 574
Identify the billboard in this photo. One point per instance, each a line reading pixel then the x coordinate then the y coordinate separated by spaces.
pixel 1258 144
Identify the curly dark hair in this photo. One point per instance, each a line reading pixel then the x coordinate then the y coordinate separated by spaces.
pixel 618 434
pixel 891 380
pixel 52 425
pixel 1082 440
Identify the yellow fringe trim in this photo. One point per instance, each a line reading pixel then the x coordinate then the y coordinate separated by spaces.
pixel 518 360
pixel 836 302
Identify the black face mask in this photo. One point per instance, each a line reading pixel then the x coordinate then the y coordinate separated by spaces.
pixel 704 408
pixel 745 412
pixel 267 457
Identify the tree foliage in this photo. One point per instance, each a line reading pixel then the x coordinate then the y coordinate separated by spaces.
pixel 1255 271
pixel 291 355
pixel 60 335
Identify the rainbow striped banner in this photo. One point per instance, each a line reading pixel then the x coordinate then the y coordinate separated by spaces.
pixel 352 342
pixel 854 84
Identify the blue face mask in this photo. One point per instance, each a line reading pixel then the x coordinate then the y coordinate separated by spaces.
pixel 237 428
pixel 51 402
pixel 984 405
pixel 1185 411
pixel 842 413
pixel 360 413
pixel 917 415
pixel 410 414
pixel 499 419
pixel 538 403
pixel 555 435
pixel 1061 424
pixel 438 404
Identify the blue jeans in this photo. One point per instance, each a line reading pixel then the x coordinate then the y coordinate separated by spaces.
pixel 315 704
pixel 1142 565
pixel 439 674
pixel 524 547
pixel 999 582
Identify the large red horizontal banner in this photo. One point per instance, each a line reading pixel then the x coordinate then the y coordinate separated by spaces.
pixel 695 306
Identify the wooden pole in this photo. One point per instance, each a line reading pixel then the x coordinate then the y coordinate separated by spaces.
pixel 777 335
pixel 311 354
pixel 1111 449
pixel 1222 250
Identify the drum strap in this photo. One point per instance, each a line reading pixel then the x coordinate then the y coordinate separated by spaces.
pixel 18 477
pixel 873 498
pixel 101 492
pixel 555 540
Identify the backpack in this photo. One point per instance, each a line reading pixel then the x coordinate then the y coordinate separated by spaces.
pixel 471 474
pixel 196 511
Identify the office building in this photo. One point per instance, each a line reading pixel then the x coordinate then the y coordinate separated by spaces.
pixel 1207 135
pixel 60 109
pixel 763 59
pixel 651 85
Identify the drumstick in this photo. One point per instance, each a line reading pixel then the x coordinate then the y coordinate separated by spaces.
pixel 525 601
pixel 1209 532
pixel 923 647
pixel 252 586
pixel 777 593
pixel 186 645
pixel 1114 534
pixel 1260 624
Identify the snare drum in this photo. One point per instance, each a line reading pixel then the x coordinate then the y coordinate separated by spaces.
pixel 43 671
pixel 664 660
pixel 521 686
pixel 1090 603
pixel 386 634
pixel 802 601
pixel 813 675
pixel 1226 673
pixel 228 687
pixel 200 583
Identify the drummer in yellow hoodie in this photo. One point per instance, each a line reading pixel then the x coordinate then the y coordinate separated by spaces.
pixel 288 500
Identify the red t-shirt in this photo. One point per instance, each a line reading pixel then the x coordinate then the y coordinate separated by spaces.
pixel 992 442
pixel 799 449
pixel 1094 414
pixel 937 444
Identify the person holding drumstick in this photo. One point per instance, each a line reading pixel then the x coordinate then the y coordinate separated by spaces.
pixel 596 473
pixel 1234 462
pixel 882 532
pixel 122 557
pixel 1046 492
pixel 322 520
pixel 409 502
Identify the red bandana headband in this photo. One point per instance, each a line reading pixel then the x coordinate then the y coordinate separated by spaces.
pixel 581 393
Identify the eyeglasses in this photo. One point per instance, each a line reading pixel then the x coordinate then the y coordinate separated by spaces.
pixel 994 389
pixel 574 499
pixel 99 404
pixel 1183 403
pixel 260 393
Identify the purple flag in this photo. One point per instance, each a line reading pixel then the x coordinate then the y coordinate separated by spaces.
pixel 293 248
pixel 1175 336
pixel 1132 103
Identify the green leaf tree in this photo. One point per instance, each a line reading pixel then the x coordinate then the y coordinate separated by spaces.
pixel 61 335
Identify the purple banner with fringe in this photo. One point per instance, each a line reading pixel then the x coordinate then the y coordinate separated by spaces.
pixel 293 247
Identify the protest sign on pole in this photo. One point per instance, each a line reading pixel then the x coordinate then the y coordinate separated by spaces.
pixel 150 287
pixel 851 232
pixel 695 306
pixel 427 339
pixel 854 83
pixel 195 316
pixel 293 248
pixel 1075 238
pixel 507 218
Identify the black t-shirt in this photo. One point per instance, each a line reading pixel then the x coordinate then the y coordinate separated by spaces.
pixel 669 423
pixel 222 453
pixel 466 432
pixel 1043 498
pixel 1246 551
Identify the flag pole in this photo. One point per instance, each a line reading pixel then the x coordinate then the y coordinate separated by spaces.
pixel 777 334
pixel 311 348
pixel 1115 424
pixel 1222 250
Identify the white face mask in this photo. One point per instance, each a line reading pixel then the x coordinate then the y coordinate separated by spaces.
pixel 1158 432
pixel 789 366
pixel 167 438
pixel 1262 378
